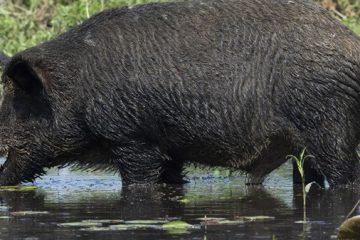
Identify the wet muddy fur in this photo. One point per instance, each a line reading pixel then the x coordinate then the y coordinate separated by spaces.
pixel 232 83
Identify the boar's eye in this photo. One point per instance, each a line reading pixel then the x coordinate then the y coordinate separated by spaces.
pixel 25 77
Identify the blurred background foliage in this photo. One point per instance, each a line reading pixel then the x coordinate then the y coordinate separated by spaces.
pixel 348 11
pixel 25 23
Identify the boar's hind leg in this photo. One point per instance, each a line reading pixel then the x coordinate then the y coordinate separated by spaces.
pixel 339 168
pixel 335 156
pixel 145 164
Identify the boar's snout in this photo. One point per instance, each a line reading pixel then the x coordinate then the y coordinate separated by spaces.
pixel 17 168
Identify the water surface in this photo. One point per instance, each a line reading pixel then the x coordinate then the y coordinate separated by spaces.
pixel 64 196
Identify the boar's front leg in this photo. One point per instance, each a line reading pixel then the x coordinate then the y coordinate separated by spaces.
pixel 141 163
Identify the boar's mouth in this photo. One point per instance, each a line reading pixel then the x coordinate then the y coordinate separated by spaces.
pixel 17 169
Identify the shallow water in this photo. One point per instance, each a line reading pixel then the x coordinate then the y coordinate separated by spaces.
pixel 64 196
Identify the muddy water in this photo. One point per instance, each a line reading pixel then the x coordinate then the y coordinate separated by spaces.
pixel 273 211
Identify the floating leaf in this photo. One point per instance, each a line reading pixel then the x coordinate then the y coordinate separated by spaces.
pixel 27 213
pixel 17 188
pixel 177 224
pixel 211 219
pixel 184 200
pixel 173 227
pixel 124 227
pixel 258 218
pixel 80 224
pixel 95 229
pixel 350 229
pixel 104 221
pixel 218 221
pixel 238 220
pixel 146 221
pixel 177 227
pixel 230 222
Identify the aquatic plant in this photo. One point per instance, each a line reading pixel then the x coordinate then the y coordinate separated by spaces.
pixel 300 160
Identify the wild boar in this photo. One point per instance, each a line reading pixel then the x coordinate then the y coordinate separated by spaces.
pixel 142 90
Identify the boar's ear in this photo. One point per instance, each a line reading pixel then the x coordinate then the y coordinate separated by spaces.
pixel 25 77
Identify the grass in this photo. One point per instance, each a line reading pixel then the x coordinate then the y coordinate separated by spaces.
pixel 25 23
pixel 352 23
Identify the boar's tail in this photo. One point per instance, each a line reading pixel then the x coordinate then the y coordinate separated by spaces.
pixel 3 59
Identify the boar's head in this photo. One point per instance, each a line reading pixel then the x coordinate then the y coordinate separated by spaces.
pixel 40 122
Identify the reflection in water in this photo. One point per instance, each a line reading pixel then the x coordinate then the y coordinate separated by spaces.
pixel 73 197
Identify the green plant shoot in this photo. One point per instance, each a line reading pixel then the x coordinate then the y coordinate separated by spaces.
pixel 300 166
